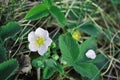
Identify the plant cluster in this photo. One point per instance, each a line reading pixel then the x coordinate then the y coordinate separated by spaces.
pixel 59 40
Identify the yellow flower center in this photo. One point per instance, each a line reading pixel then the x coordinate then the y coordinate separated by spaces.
pixel 76 35
pixel 39 41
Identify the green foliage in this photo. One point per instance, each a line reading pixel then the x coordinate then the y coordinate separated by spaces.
pixel 51 67
pixel 9 30
pixel 74 55
pixel 3 55
pixel 91 29
pixel 43 10
pixel 50 63
pixel 48 72
pixel 53 64
pixel 69 48
pixel 85 46
pixel 38 62
pixel 37 12
pixel 55 57
pixel 59 68
pixel 101 61
pixel 48 2
pixel 59 16
pixel 87 70
pixel 115 1
pixel 8 68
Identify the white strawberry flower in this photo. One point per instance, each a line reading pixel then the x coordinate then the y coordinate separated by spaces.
pixel 39 40
pixel 91 54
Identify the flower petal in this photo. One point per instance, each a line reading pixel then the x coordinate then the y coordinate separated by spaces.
pixel 42 50
pixel 48 42
pixel 91 54
pixel 41 33
pixel 33 47
pixel 31 36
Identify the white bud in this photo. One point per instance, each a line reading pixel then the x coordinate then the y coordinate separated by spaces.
pixel 91 54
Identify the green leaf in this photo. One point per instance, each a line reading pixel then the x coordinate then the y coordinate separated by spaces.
pixel 53 64
pixel 9 30
pixel 101 61
pixel 48 2
pixel 38 12
pixel 48 72
pixel 85 78
pixel 3 55
pixel 59 68
pixel 58 15
pixel 87 70
pixel 50 63
pixel 69 48
pixel 85 46
pixel 115 1
pixel 8 68
pixel 91 29
pixel 38 62
pixel 55 56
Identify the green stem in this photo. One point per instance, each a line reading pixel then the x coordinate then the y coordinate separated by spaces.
pixel 38 74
